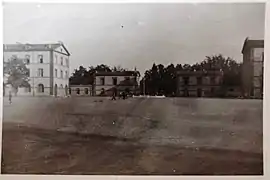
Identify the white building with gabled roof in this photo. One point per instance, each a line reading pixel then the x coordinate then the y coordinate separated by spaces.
pixel 48 65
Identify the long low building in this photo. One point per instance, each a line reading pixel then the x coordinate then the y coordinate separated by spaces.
pixel 106 82
pixel 198 83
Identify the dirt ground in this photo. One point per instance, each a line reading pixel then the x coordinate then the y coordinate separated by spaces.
pixel 133 137
pixel 35 151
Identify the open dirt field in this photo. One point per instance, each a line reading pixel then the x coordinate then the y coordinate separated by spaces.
pixel 135 136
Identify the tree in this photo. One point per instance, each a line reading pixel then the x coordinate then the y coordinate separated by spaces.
pixel 230 68
pixel 17 73
pixel 103 68
pixel 78 77
pixel 118 69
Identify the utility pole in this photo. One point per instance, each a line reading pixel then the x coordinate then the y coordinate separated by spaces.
pixel 144 86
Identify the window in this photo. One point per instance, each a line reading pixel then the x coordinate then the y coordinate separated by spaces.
pixel 55 59
pixel 61 86
pixel 102 81
pixel 61 74
pixel 40 58
pixel 62 61
pixel 40 72
pixel 114 81
pixel 77 91
pixel 55 73
pixel 27 59
pixel 213 80
pixel 66 75
pixel 199 80
pixel 212 90
pixel 67 62
pixel 186 80
pixel 86 91
pixel 40 88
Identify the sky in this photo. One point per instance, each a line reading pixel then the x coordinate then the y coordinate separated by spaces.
pixel 136 35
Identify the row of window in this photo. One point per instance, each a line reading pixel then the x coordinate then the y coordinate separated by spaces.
pixel 40 88
pixel 61 61
pixel 78 91
pixel 40 59
pixel 199 80
pixel 114 79
pixel 199 92
pixel 61 74
pixel 41 73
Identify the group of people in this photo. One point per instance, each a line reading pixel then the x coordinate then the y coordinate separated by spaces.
pixel 122 95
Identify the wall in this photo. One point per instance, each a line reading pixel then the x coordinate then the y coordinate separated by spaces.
pixel 252 70
pixel 193 87
pixel 64 81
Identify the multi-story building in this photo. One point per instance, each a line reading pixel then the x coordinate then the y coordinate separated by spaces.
pixel 48 65
pixel 105 82
pixel 198 83
pixel 252 74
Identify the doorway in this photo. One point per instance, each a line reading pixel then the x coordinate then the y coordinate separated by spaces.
pixel 55 90
pixel 199 92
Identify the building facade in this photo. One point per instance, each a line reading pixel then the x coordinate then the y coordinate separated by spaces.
pixel 198 83
pixel 105 82
pixel 48 65
pixel 252 74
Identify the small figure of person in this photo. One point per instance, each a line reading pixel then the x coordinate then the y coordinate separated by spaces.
pixel 113 96
pixel 124 95
pixel 114 92
pixel 10 97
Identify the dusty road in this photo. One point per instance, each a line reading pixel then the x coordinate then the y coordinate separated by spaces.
pixel 136 136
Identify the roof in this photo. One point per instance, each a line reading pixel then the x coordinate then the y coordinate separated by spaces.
pixel 198 73
pixel 33 47
pixel 252 44
pixel 80 85
pixel 124 73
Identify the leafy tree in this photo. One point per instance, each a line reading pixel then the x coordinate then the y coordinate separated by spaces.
pixel 230 68
pixel 103 68
pixel 16 72
pixel 118 69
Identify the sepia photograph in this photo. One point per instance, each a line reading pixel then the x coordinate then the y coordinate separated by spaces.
pixel 167 89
